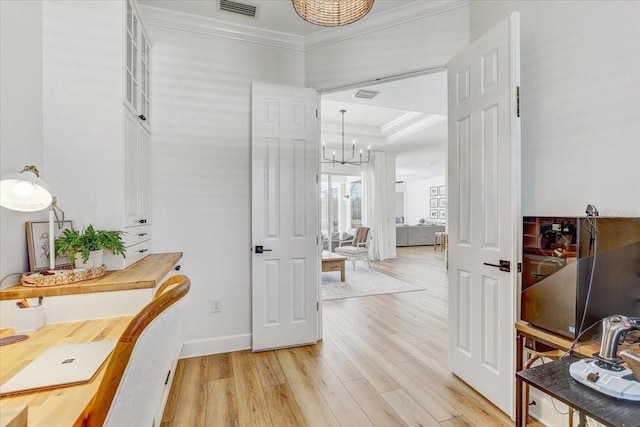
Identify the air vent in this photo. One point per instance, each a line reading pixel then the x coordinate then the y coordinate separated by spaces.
pixel 236 7
pixel 365 94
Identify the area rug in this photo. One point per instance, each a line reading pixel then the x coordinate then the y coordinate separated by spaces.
pixel 361 282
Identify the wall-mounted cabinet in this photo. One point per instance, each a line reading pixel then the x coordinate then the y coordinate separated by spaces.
pixel 138 67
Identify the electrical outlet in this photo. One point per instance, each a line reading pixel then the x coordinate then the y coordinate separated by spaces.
pixel 215 305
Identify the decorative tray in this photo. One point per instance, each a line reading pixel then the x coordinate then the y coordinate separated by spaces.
pixel 62 277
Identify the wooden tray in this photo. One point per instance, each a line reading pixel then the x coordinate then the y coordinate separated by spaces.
pixel 62 277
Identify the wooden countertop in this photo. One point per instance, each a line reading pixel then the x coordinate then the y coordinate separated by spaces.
pixel 60 406
pixel 145 273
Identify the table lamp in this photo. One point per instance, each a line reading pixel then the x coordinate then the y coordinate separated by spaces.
pixel 26 192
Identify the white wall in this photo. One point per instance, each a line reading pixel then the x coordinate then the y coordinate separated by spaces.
pixel 421 44
pixel 580 103
pixel 20 120
pixel 83 113
pixel 418 199
pixel 201 170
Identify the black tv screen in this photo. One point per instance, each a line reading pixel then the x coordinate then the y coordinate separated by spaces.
pixel 615 285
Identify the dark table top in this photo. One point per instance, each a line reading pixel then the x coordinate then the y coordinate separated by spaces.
pixel 554 379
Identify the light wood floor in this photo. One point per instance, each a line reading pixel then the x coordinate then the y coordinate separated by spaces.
pixel 382 362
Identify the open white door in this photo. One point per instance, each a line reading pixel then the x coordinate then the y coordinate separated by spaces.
pixel 285 276
pixel 484 211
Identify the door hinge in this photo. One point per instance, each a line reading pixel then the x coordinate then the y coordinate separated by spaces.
pixel 316 113
pixel 316 240
pixel 517 101
pixel 317 306
pixel 519 267
pixel 316 178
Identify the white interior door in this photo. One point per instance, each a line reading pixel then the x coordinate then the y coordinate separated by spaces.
pixel 285 197
pixel 484 211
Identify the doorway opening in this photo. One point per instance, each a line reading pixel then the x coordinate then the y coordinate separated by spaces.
pixel 406 119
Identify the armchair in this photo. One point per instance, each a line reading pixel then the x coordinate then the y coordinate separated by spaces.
pixel 358 247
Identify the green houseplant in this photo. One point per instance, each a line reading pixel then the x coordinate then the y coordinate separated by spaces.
pixel 78 245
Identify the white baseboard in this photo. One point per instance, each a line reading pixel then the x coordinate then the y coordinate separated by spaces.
pixel 215 346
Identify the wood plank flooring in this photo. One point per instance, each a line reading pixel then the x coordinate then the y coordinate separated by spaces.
pixel 382 362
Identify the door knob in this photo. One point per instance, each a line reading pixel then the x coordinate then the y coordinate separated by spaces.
pixel 503 266
pixel 261 249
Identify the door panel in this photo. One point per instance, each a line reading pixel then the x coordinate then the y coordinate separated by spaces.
pixel 484 211
pixel 285 277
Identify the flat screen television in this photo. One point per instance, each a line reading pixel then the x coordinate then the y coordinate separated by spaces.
pixel 615 285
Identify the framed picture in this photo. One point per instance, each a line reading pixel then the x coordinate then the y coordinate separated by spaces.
pixel 433 203
pixel 38 244
pixel 433 213
pixel 442 190
pixel 433 191
pixel 443 213
pixel 443 202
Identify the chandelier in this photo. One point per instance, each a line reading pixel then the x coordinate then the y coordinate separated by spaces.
pixel 332 13
pixel 343 160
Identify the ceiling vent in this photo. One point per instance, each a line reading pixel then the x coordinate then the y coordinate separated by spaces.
pixel 237 7
pixel 365 94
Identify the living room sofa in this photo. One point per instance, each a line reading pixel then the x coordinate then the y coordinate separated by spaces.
pixel 417 235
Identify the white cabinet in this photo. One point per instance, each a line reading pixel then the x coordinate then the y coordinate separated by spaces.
pixel 138 67
pixel 137 220
pixel 137 141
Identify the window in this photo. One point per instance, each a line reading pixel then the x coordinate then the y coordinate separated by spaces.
pixel 341 204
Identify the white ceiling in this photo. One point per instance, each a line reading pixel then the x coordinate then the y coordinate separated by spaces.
pixel 407 117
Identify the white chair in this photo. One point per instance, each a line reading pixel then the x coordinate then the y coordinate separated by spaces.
pixel 131 391
pixel 358 248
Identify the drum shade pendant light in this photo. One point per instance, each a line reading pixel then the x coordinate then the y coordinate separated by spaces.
pixel 332 13
pixel 344 160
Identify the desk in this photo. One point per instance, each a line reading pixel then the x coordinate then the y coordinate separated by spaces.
pixel 61 406
pixel 524 332
pixel 333 262
pixel 553 378
pixel 118 293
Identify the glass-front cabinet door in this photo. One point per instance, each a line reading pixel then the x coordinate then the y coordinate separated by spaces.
pixel 145 74
pixel 132 58
pixel 138 66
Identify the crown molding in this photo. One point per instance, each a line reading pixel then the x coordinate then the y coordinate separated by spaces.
pixel 155 16
pixel 398 16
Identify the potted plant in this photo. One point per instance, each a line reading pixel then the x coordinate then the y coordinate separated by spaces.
pixel 84 249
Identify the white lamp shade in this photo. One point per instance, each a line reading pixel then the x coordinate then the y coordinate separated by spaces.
pixel 24 192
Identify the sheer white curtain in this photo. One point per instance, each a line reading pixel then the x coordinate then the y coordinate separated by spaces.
pixel 375 175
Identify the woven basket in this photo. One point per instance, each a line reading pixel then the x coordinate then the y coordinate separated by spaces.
pixel 62 277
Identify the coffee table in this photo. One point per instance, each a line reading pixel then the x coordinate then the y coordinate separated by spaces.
pixel 333 262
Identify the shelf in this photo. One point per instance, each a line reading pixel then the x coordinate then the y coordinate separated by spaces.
pixel 144 274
